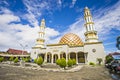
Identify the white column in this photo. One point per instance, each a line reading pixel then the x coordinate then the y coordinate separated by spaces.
pixel 58 56
pixel 66 57
pixel 85 55
pixel 52 59
pixel 76 58
pixel 45 59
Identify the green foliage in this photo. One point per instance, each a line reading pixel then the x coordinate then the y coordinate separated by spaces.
pixel 61 62
pixel 70 63
pixel 16 60
pixel 74 61
pixel 40 60
pixel 58 61
pixel 35 60
pixel 99 60
pixel 91 63
pixel 27 59
pixel 1 59
pixel 108 58
pixel 11 58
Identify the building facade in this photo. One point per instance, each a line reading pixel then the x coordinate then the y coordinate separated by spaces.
pixel 70 45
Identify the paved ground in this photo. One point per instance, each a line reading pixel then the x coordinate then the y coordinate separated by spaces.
pixel 85 73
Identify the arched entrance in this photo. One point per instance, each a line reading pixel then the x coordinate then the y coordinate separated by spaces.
pixel 49 56
pixel 81 57
pixel 63 55
pixel 55 57
pixel 72 55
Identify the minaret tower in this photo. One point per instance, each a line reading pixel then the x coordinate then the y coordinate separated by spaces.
pixel 90 34
pixel 40 40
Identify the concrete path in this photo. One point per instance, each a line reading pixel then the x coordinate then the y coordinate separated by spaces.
pixel 36 67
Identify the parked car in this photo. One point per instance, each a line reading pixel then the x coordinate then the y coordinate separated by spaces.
pixel 114 65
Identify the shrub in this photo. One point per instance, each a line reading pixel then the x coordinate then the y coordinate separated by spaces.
pixel 74 61
pixel 99 60
pixel 58 61
pixel 1 59
pixel 26 59
pixel 70 63
pixel 40 60
pixel 16 60
pixel 35 60
pixel 11 58
pixel 63 63
pixel 91 63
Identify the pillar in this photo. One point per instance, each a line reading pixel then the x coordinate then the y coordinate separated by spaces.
pixel 76 58
pixel 85 55
pixel 52 59
pixel 45 58
pixel 66 57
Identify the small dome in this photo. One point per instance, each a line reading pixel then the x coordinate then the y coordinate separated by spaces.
pixel 71 39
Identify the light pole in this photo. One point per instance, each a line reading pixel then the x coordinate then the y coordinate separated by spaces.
pixel 21 61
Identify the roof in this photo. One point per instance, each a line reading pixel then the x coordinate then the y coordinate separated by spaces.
pixel 17 52
pixel 115 53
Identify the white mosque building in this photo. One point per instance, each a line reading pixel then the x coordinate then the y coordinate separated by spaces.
pixel 70 45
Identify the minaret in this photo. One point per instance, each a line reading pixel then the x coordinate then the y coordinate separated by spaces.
pixel 90 34
pixel 40 40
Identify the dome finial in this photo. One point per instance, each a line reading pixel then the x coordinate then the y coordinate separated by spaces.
pixel 86 7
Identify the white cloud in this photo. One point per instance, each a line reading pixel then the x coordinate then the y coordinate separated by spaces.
pixel 73 3
pixel 108 21
pixel 51 33
pixel 60 3
pixel 12 35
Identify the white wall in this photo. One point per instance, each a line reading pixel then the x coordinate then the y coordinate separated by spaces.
pixel 92 56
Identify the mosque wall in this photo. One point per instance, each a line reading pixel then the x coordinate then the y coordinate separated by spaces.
pixel 76 49
pixel 94 51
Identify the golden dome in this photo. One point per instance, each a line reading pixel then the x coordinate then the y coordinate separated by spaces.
pixel 71 39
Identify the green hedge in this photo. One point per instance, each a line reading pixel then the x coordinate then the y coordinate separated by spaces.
pixel 1 59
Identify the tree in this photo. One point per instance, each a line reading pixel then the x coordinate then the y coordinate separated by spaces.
pixel 1 59
pixel 99 60
pixel 70 63
pixel 40 61
pixel 108 59
pixel 16 60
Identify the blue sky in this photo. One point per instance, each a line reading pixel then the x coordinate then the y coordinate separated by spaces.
pixel 20 19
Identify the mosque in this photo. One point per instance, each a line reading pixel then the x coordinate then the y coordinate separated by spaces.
pixel 70 45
